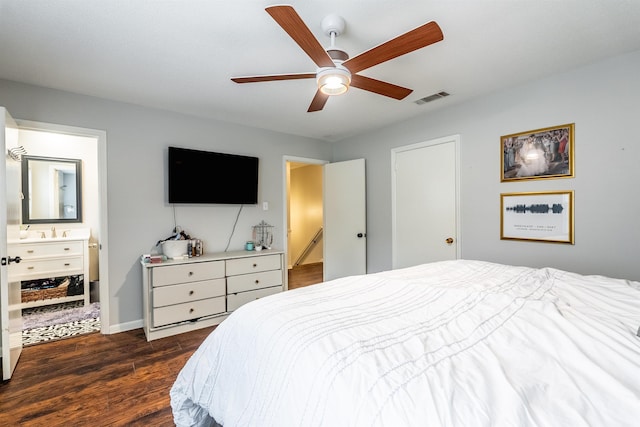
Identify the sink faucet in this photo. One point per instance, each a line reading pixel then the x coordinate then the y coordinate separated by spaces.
pixel 42 235
pixel 53 232
pixel 65 233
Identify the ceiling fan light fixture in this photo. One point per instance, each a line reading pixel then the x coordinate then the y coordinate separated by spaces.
pixel 336 69
pixel 333 80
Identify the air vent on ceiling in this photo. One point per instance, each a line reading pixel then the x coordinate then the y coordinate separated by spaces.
pixel 431 98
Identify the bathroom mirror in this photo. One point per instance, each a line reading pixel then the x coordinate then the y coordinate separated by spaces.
pixel 51 190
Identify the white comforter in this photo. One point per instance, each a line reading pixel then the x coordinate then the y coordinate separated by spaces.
pixel 457 343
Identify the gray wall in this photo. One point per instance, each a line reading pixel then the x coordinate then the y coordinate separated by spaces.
pixel 603 102
pixel 138 213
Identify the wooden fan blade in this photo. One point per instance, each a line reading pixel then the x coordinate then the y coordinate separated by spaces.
pixel 318 102
pixel 291 22
pixel 271 78
pixel 418 38
pixel 379 87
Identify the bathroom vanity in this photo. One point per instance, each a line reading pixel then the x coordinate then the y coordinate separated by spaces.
pixel 64 256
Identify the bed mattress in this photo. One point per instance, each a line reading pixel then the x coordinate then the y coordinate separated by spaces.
pixel 453 343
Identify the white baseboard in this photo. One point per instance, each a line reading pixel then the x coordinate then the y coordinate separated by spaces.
pixel 128 326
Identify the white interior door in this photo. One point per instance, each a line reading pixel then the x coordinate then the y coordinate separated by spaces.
pixel 345 219
pixel 10 311
pixel 425 199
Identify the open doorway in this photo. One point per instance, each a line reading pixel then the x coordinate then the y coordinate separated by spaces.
pixel 49 319
pixel 304 221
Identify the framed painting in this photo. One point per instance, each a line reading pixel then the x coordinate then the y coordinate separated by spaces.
pixel 537 216
pixel 538 154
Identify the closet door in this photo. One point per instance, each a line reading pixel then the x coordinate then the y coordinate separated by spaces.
pixel 10 309
pixel 425 211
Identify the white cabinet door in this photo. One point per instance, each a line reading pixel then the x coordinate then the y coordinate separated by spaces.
pixel 345 219
pixel 10 311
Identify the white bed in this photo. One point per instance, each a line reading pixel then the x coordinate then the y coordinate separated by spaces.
pixel 455 343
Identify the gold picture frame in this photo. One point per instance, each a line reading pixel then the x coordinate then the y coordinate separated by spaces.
pixel 537 216
pixel 538 154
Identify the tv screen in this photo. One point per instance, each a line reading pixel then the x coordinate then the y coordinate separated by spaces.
pixel 197 176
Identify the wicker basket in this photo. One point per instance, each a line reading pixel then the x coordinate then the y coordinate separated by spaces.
pixel 28 295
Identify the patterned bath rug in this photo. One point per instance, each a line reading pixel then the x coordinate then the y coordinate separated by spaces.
pixel 58 314
pixel 46 323
pixel 56 332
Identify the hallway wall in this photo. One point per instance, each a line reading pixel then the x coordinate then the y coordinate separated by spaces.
pixel 305 212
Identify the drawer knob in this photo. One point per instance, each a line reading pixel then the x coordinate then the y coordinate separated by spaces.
pixel 191 310
pixel 190 292
pixel 67 249
pixel 255 265
pixel 66 264
pixel 30 268
pixel 257 281
pixel 30 251
pixel 190 273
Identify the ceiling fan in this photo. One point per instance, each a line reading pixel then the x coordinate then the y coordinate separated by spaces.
pixel 336 71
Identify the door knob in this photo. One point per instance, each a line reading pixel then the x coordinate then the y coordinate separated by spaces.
pixel 360 235
pixel 9 260
pixel 449 240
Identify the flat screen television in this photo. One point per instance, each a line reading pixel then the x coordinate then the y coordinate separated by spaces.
pixel 197 176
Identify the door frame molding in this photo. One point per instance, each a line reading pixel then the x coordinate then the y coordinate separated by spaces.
pixel 103 234
pixel 285 198
pixel 455 139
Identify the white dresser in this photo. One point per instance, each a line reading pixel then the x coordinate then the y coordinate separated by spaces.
pixel 194 293
pixel 48 259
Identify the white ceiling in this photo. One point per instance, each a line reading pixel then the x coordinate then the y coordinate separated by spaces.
pixel 180 55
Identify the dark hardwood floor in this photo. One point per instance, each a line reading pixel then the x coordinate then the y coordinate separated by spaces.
pixel 304 275
pixel 106 380
pixel 97 380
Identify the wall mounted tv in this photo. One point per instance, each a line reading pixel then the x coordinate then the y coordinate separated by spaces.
pixel 197 176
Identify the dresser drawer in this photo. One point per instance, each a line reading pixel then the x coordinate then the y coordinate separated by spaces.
pixel 188 311
pixel 253 264
pixel 236 300
pixel 186 292
pixel 249 282
pixel 47 267
pixel 45 250
pixel 191 272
